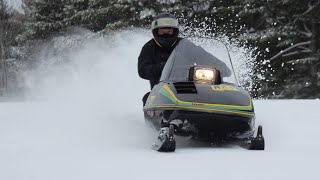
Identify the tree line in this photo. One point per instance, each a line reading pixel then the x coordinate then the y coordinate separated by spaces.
pixel 285 34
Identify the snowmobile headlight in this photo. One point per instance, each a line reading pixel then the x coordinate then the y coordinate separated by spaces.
pixel 204 74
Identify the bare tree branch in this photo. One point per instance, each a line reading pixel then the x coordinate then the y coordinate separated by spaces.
pixel 304 48
pixel 311 7
pixel 297 52
pixel 289 49
pixel 307 32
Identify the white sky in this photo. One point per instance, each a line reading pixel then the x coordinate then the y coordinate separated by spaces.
pixel 15 3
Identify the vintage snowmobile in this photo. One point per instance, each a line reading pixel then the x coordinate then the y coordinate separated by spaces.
pixel 192 99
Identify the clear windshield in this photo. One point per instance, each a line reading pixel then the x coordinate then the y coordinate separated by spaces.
pixel 188 54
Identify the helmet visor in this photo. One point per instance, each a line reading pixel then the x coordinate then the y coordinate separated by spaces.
pixel 165 22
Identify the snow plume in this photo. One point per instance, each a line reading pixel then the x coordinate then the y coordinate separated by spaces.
pixel 85 66
pixel 89 67
pixel 218 44
pixel 90 80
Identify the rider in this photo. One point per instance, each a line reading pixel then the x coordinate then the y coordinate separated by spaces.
pixel 155 53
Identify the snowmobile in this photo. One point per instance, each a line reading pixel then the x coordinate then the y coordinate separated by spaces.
pixel 193 99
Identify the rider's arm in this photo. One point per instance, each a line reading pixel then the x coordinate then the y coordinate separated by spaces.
pixel 146 68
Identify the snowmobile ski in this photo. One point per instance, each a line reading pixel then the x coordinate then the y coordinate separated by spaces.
pixel 165 141
pixel 257 143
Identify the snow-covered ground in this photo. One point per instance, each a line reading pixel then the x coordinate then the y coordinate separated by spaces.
pixel 84 121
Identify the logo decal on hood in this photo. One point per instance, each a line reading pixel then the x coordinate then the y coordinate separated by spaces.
pixel 224 88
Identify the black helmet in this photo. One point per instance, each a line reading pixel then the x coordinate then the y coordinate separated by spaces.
pixel 165 20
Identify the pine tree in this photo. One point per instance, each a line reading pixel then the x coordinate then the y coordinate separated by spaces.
pixel 4 28
pixel 98 15
pixel 10 26
pixel 281 32
pixel 301 59
pixel 46 17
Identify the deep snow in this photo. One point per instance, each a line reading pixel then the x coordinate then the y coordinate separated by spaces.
pixel 84 121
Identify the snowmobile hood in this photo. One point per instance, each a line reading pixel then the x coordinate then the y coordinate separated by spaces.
pixel 225 99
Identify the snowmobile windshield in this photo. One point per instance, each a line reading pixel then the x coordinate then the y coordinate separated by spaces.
pixel 187 55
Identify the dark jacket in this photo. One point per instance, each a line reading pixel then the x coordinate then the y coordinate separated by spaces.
pixel 151 61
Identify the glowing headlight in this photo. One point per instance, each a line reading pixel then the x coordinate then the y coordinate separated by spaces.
pixel 204 74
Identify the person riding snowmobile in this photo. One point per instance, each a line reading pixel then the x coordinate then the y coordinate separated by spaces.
pixel 155 53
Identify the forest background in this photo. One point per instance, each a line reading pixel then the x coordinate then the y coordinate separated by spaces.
pixel 284 35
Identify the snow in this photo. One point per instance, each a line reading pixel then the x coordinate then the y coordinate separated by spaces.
pixel 85 121
pixel 146 12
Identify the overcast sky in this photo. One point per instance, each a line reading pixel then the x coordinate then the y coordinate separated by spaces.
pixel 14 3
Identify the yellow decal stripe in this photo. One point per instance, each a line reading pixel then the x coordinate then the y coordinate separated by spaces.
pixel 206 109
pixel 168 90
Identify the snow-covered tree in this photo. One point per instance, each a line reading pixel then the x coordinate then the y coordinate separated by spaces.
pixel 98 15
pixel 46 17
pixel 298 60
pixel 10 27
pixel 4 28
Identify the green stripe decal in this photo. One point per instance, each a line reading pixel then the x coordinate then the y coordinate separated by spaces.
pixel 168 96
pixel 177 102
